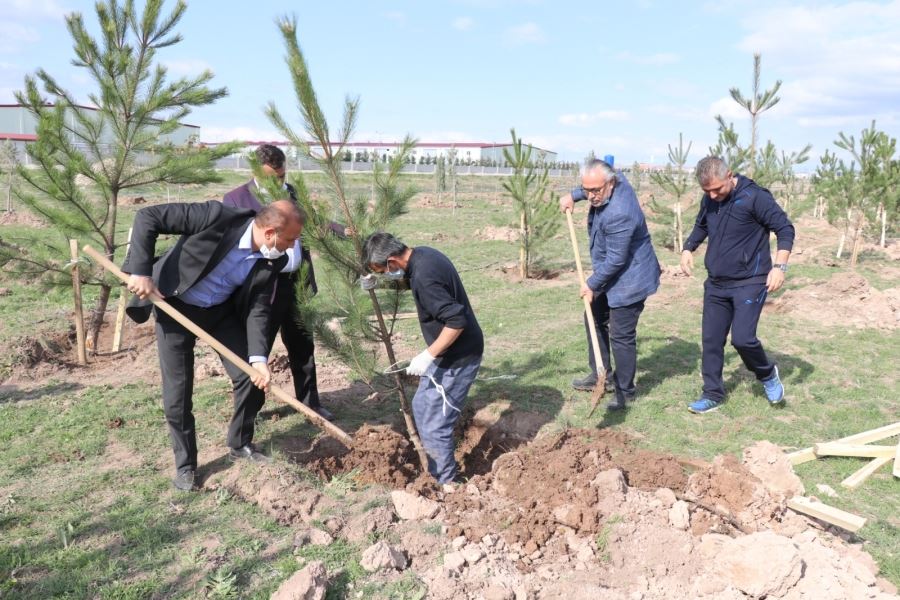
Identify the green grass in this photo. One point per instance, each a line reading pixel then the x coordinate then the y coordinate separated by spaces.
pixel 72 527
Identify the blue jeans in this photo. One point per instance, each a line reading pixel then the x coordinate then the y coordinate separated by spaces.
pixel 436 419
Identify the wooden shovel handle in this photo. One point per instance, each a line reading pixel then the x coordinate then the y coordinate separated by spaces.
pixel 592 327
pixel 240 363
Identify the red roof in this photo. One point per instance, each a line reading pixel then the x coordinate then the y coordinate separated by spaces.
pixel 18 137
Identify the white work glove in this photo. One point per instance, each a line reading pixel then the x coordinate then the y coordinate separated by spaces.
pixel 368 282
pixel 420 364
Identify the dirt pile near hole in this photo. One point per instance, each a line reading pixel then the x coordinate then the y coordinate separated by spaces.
pixel 846 300
pixel 558 480
pixel 605 538
pixel 495 233
pixel 379 455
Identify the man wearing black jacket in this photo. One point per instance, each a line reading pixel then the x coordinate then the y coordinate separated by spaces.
pixel 221 275
pixel 450 363
pixel 736 215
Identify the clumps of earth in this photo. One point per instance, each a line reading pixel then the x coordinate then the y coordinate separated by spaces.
pixel 575 514
pixel 845 300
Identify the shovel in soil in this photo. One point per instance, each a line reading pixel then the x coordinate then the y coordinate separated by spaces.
pixel 600 386
pixel 325 425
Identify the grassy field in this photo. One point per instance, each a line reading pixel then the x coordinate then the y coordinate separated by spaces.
pixel 87 509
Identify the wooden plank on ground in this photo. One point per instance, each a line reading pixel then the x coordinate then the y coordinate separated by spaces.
pixel 865 437
pixel 861 450
pixel 826 513
pixel 897 461
pixel 855 480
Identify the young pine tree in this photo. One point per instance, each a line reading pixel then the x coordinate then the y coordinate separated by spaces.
pixel 116 146
pixel 758 103
pixel 675 181
pixel 362 314
pixel 538 217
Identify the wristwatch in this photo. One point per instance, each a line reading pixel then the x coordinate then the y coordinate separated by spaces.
pixel 782 266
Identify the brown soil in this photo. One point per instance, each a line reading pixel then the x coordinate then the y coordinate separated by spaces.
pixel 550 482
pixel 845 300
pixel 379 455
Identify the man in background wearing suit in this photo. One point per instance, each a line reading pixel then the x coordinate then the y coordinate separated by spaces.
pixel 285 314
pixel 626 271
pixel 221 275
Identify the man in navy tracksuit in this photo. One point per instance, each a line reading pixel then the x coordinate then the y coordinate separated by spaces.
pixel 737 216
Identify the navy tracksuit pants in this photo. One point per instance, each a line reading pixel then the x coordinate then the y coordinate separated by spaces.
pixel 737 309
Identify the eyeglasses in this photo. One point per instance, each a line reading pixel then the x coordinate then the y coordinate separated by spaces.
pixel 593 190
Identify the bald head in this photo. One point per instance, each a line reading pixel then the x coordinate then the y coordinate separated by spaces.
pixel 278 225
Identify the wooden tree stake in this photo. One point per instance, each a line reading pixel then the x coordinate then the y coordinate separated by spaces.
pixel 79 313
pixel 120 313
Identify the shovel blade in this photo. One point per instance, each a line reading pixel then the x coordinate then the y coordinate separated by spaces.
pixel 597 393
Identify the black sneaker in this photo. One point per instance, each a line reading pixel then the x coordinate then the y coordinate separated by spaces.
pixel 185 480
pixel 248 452
pixel 586 383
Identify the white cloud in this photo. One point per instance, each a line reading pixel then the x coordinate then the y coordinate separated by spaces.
pixel 587 119
pixel 526 33
pixel 247 134
pixel 834 72
pixel 654 60
pixel 463 23
pixel 31 8
pixel 14 35
pixel 728 108
pixel 186 67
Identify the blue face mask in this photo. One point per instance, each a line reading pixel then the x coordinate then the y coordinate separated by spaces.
pixel 395 275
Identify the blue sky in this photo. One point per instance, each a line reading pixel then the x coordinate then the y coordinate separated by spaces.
pixel 617 78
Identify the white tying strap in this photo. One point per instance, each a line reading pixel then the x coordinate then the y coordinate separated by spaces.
pixel 437 386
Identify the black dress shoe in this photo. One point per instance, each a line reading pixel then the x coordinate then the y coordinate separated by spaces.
pixel 248 452
pixel 184 481
pixel 324 413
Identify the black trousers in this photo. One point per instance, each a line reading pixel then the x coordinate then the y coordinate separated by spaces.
pixel 737 309
pixel 297 341
pixel 616 327
pixel 175 345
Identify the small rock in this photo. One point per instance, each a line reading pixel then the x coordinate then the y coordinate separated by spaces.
pixel 315 537
pixel 530 546
pixel 489 541
pixel 309 583
pixel 827 490
pixel 454 561
pixel 747 563
pixel 679 516
pixel 513 556
pixel 382 555
pixel 610 481
pixel 5 291
pixel 458 542
pixel 410 506
pixel 535 555
pixel 496 592
pixel 472 554
pixel 666 496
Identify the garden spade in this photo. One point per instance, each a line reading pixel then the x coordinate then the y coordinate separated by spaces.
pixel 600 386
pixel 230 356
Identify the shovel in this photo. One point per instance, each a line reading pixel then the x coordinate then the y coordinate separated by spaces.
pixel 600 386
pixel 237 361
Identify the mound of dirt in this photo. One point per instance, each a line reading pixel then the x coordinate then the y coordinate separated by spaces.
pixel 558 480
pixel 846 300
pixel 379 455
pixel 503 234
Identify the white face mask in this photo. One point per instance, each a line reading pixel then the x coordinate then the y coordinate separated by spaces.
pixel 273 252
pixel 395 275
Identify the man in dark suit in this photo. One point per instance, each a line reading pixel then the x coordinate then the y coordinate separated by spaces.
pixel 221 274
pixel 285 313
pixel 626 271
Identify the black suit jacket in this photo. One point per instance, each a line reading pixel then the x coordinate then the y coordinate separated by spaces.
pixel 208 231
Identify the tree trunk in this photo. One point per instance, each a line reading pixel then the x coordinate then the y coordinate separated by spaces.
pixel 840 250
pixel 398 379
pixel 523 247
pixel 883 227
pixel 857 240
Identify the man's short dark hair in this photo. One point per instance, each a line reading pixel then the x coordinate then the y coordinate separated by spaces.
pixel 711 168
pixel 279 214
pixel 270 155
pixel 381 246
